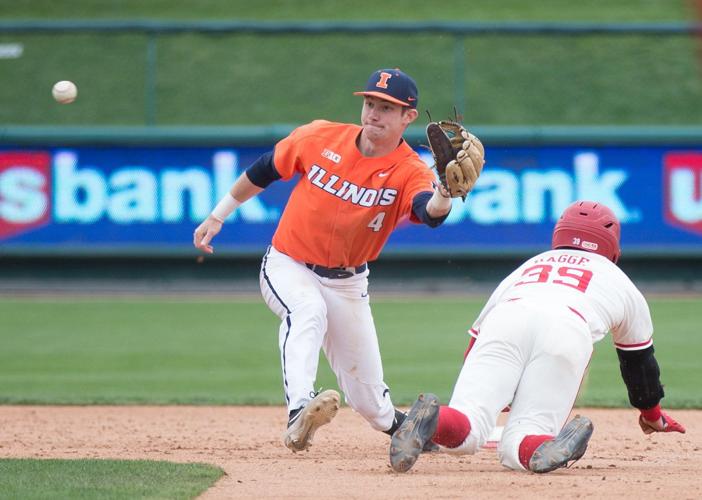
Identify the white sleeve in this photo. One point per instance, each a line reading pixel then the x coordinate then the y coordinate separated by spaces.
pixel 635 332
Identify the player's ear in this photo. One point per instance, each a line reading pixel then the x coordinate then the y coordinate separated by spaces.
pixel 410 115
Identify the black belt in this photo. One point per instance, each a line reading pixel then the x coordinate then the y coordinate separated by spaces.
pixel 335 273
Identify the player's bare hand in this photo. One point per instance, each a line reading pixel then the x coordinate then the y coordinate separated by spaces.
pixel 665 423
pixel 205 232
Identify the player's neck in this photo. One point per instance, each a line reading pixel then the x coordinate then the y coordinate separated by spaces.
pixel 371 148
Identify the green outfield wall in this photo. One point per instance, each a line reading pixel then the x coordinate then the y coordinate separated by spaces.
pixel 244 72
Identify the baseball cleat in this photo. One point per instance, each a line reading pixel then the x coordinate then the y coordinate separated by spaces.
pixel 318 412
pixel 430 447
pixel 414 433
pixel 569 445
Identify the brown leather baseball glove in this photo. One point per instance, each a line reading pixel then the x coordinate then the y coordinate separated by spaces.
pixel 459 156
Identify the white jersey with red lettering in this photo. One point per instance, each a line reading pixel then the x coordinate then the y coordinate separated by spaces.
pixel 533 342
pixel 587 284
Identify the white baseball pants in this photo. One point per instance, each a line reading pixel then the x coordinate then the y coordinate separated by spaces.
pixel 531 355
pixel 334 315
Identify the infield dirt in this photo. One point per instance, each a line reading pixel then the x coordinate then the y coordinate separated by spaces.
pixel 349 459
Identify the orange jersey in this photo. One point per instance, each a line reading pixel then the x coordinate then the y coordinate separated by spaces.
pixel 345 205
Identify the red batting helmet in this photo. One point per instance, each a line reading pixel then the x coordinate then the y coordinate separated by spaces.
pixel 590 226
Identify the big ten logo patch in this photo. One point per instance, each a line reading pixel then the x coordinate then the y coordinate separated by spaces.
pixel 682 181
pixel 336 158
pixel 25 182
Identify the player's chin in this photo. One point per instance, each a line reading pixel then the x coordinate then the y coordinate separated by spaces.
pixel 374 131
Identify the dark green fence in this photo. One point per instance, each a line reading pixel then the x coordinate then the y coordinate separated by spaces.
pixel 455 58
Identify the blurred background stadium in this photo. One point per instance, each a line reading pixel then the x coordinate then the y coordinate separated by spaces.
pixel 590 99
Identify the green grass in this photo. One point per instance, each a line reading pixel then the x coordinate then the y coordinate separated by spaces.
pixel 87 351
pixel 83 479
pixel 677 347
pixel 250 79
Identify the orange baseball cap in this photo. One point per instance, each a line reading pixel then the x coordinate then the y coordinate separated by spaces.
pixel 392 85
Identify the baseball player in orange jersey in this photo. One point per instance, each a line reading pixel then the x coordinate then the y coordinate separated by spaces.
pixel 533 342
pixel 357 183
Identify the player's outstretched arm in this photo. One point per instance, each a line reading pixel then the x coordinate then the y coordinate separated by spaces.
pixel 641 375
pixel 241 190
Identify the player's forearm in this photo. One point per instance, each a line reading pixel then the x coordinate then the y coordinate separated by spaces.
pixel 439 204
pixel 420 209
pixel 641 375
pixel 256 178
pixel 242 190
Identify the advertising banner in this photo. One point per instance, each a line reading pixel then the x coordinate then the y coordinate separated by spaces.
pixel 148 200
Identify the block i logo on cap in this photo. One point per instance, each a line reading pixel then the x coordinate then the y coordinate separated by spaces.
pixel 383 80
pixel 392 85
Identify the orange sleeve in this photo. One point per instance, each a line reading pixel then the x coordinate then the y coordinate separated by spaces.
pixel 288 153
pixel 285 157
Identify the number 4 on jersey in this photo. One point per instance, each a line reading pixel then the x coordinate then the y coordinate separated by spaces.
pixel 377 222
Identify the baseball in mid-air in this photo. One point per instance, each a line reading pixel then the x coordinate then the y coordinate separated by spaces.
pixel 65 92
